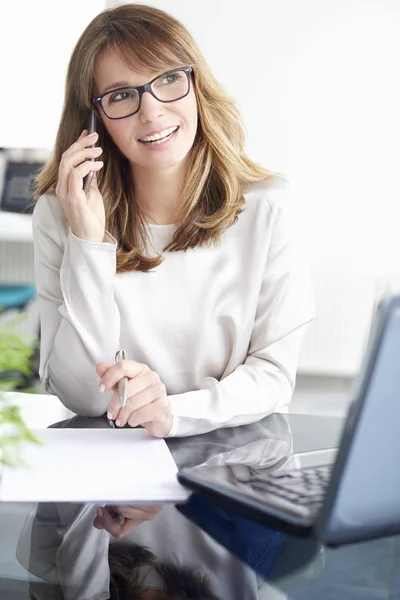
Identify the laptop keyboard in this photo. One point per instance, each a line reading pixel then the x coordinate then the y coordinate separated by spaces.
pixel 304 488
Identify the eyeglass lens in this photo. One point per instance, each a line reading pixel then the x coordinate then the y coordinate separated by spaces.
pixel 166 88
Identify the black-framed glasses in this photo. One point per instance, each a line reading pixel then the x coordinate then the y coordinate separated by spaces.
pixel 125 101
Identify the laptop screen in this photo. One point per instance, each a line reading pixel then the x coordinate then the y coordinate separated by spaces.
pixel 365 488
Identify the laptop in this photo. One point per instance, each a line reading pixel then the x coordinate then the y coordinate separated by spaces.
pixel 357 496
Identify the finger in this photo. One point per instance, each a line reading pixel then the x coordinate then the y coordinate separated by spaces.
pixel 98 520
pixel 73 159
pixel 102 368
pixel 105 521
pixel 127 527
pixel 83 141
pixel 82 168
pixel 75 182
pixel 89 139
pixel 117 530
pixel 69 169
pixel 123 368
pixel 82 134
pixel 98 524
pixel 115 514
pixel 157 410
pixel 122 414
pixel 146 512
pixel 135 386
pixel 131 412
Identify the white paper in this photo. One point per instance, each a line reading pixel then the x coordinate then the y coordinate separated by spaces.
pixel 93 465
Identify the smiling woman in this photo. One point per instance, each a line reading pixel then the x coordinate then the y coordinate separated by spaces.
pixel 168 116
pixel 124 47
pixel 181 252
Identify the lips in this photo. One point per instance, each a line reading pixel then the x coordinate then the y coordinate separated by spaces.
pixel 159 136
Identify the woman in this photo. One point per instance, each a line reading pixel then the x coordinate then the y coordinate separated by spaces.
pixel 180 253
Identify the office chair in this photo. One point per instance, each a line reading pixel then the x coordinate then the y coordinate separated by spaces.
pixel 16 296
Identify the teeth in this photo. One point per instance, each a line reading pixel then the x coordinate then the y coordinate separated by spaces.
pixel 158 136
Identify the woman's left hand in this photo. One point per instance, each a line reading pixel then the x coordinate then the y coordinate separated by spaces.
pixel 147 403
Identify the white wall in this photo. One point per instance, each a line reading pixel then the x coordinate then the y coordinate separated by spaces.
pixel 318 84
pixel 36 40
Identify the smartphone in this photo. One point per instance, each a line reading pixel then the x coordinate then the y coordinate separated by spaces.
pixel 91 127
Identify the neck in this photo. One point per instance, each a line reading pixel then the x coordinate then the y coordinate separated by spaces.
pixel 158 193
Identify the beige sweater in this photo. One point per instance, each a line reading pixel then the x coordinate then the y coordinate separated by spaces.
pixel 221 325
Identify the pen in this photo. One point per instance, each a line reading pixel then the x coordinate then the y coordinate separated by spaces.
pixel 123 383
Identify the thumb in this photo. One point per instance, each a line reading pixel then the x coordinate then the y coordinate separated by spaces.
pixel 102 368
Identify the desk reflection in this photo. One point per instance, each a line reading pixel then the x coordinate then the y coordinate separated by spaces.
pixel 193 550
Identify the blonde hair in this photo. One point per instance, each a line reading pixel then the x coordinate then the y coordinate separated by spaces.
pixel 217 166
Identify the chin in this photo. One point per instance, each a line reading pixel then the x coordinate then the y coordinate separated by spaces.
pixel 162 161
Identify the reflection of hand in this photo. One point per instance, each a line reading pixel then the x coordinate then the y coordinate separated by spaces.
pixel 134 515
pixel 147 403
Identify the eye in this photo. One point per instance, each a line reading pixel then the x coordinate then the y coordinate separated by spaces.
pixel 122 95
pixel 170 78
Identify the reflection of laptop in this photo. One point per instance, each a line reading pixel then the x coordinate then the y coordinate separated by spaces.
pixel 356 498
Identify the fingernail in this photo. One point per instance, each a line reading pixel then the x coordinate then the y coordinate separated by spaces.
pixel 118 423
pixel 94 133
pixel 99 512
pixel 102 388
pixel 109 416
pixel 98 149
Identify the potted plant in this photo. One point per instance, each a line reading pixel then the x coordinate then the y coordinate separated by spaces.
pixel 16 369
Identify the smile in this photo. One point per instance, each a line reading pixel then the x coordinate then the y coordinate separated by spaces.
pixel 159 138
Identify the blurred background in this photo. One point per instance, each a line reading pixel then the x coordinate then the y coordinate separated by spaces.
pixel 318 86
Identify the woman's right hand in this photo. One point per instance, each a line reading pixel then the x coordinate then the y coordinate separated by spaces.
pixel 130 517
pixel 85 213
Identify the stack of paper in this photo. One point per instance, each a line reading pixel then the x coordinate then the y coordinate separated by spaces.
pixel 93 465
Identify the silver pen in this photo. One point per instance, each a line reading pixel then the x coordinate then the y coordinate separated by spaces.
pixel 122 393
pixel 123 383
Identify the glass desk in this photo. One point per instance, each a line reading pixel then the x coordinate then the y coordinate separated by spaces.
pixel 53 551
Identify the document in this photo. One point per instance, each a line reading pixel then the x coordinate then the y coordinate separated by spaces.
pixel 93 465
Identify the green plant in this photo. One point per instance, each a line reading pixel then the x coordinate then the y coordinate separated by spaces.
pixel 16 355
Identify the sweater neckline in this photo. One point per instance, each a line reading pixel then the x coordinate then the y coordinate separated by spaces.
pixel 155 227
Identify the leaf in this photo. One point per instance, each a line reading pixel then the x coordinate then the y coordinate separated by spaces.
pixel 16 352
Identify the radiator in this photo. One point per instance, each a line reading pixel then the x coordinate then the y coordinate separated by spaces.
pixel 16 262
pixel 16 267
pixel 345 299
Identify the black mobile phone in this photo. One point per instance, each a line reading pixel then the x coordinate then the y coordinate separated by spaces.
pixel 91 127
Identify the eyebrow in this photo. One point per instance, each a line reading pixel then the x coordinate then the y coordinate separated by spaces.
pixel 115 85
pixel 124 83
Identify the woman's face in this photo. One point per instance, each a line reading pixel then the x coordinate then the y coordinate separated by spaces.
pixel 154 117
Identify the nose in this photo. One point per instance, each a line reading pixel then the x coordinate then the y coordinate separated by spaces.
pixel 150 108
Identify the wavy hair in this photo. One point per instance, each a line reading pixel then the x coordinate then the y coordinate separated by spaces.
pixel 217 166
pixel 180 582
